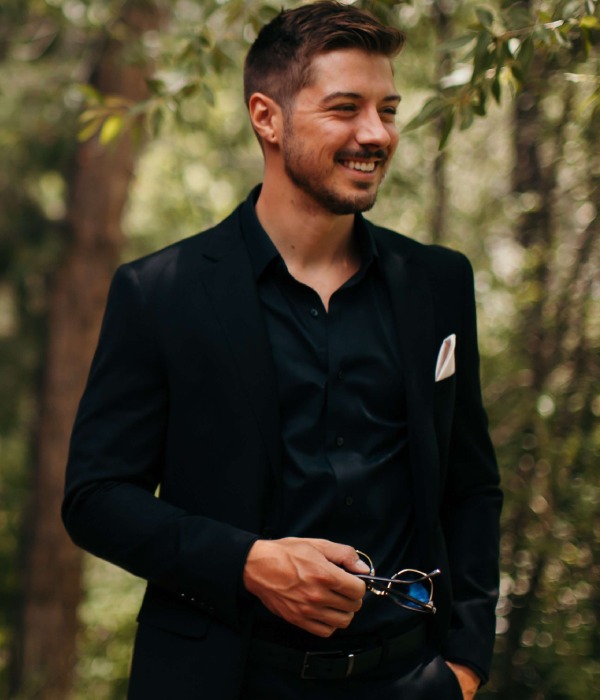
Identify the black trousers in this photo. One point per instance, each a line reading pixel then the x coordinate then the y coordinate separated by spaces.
pixel 164 661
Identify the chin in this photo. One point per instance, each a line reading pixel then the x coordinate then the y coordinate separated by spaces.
pixel 341 200
pixel 352 204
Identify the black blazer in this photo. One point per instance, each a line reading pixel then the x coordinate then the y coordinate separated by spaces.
pixel 182 398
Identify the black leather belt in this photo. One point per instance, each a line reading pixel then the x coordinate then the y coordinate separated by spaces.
pixel 327 665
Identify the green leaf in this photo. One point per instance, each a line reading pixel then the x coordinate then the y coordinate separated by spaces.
pixel 560 39
pixel 478 106
pixel 586 42
pixel 495 87
pixel 206 39
pixel 156 86
pixel 518 16
pixel 500 54
pixel 89 130
pixel 192 88
pixel 92 114
pixel 431 109
pixel 525 54
pixel 220 61
pixel 480 62
pixel 111 128
pixel 116 102
pixel 156 119
pixel 517 73
pixel 466 117
pixel 207 94
pixel 91 95
pixel 485 17
pixel 447 125
pixel 457 43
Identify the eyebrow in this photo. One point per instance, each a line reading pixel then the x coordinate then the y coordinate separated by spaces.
pixel 357 96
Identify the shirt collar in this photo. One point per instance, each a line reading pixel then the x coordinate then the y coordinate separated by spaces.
pixel 262 250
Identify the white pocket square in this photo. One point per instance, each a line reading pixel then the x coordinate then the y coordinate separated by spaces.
pixel 445 367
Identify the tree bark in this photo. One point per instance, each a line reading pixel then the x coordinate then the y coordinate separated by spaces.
pixel 46 636
pixel 439 209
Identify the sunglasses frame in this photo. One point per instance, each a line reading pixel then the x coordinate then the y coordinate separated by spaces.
pixel 398 597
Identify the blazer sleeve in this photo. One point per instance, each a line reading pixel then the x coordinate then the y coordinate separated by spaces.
pixel 115 463
pixel 471 507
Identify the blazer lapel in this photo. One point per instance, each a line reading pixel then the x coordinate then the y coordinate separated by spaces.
pixel 230 285
pixel 412 305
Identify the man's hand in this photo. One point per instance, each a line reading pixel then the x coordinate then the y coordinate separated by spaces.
pixel 468 679
pixel 302 581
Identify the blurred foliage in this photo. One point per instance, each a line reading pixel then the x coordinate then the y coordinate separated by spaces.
pixel 497 51
pixel 534 244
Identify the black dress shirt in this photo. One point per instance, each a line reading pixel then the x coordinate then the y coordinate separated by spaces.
pixel 345 473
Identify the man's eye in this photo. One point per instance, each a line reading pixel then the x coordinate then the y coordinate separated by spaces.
pixel 345 108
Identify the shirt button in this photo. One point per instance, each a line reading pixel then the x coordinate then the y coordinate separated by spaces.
pixel 314 313
pixel 349 500
pixel 339 441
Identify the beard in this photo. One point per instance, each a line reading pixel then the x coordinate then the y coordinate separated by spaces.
pixel 303 171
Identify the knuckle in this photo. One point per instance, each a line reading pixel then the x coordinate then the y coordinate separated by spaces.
pixel 315 597
pixel 305 609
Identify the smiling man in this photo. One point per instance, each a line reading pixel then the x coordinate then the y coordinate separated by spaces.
pixel 302 388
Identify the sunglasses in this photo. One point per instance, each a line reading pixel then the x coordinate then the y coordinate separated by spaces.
pixel 409 588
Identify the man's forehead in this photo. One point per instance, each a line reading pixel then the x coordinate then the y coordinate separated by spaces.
pixel 351 71
pixel 359 59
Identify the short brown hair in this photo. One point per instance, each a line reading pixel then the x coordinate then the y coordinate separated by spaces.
pixel 278 63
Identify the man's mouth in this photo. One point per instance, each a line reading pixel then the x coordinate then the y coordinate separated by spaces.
pixel 360 166
pixel 362 161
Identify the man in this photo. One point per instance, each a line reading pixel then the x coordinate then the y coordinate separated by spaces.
pixel 302 387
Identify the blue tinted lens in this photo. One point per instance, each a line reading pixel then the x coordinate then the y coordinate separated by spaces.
pixel 419 592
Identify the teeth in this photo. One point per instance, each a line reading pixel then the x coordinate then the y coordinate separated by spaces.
pixel 363 167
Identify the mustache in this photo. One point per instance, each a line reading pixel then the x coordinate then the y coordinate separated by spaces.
pixel 364 154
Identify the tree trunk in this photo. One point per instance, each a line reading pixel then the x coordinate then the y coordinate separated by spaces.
pixel 439 208
pixel 46 635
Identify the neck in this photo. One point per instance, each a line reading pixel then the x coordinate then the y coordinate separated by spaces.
pixel 304 233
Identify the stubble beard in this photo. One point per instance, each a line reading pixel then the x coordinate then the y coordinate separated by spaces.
pixel 298 168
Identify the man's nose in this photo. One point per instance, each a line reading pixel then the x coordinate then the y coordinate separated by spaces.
pixel 372 130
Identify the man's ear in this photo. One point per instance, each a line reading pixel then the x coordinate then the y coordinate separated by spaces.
pixel 266 117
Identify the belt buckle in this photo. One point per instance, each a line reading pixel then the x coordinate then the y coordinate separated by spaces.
pixel 305 673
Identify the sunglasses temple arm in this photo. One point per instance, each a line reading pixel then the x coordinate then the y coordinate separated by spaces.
pixel 398 581
pixel 377 579
pixel 415 601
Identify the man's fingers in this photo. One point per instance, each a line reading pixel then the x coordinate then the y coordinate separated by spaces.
pixel 302 581
pixel 341 555
pixel 346 560
pixel 325 622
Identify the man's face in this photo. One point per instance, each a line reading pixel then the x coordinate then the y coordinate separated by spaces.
pixel 340 131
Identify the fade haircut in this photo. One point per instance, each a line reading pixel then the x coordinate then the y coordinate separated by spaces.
pixel 279 61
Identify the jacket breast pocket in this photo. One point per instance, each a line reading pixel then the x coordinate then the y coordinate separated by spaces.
pixel 444 397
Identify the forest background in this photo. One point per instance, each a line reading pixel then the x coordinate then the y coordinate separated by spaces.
pixel 122 129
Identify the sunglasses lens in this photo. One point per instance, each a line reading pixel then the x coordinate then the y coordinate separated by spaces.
pixel 416 593
pixel 419 592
